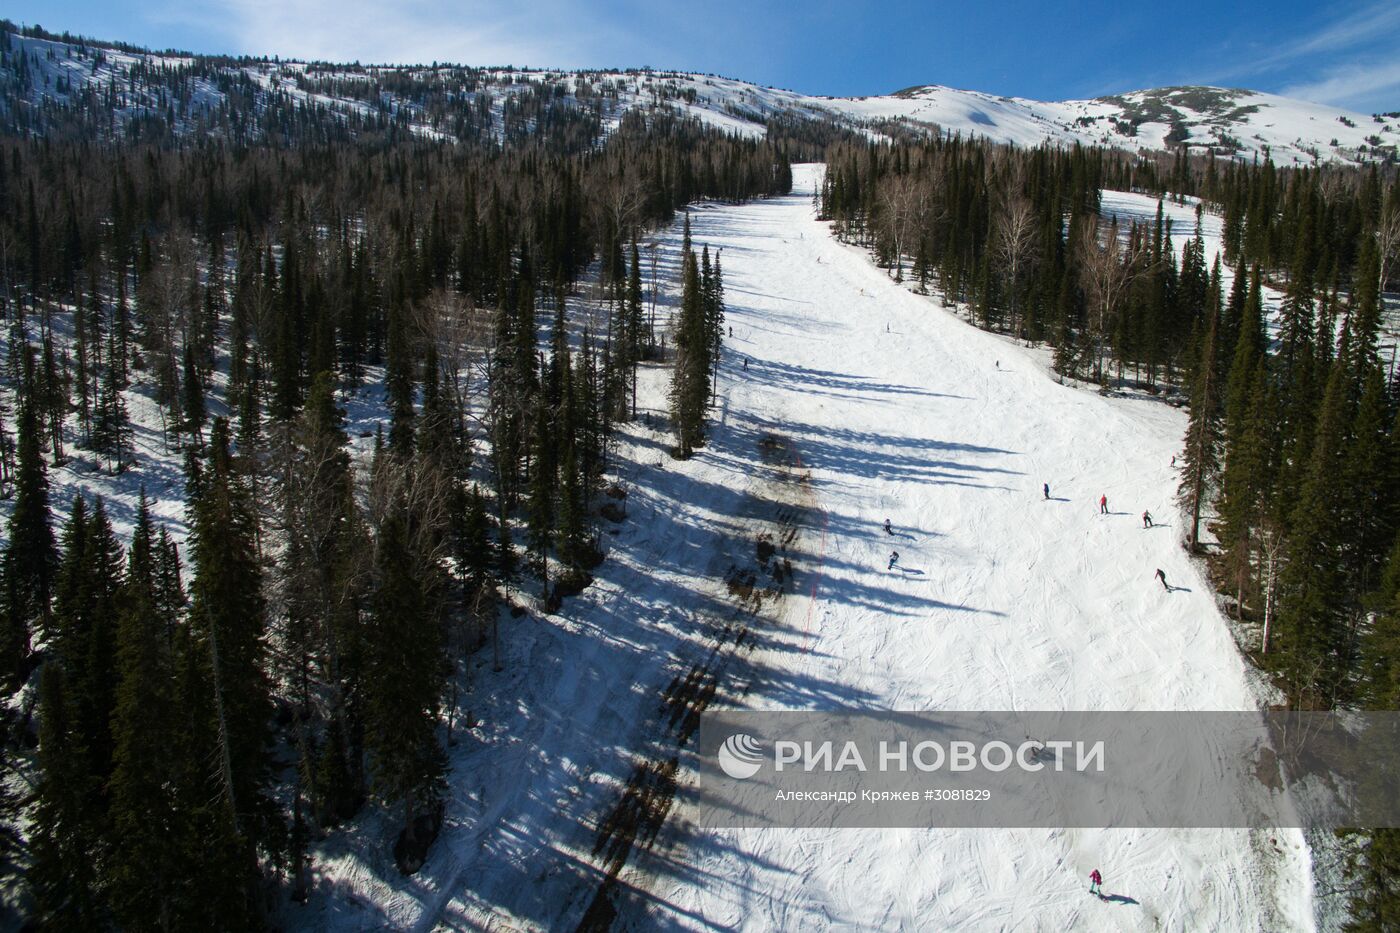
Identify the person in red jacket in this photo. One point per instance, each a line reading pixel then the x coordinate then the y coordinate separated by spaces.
pixel 1095 879
pixel 1103 505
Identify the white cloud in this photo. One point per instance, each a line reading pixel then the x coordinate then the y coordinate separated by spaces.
pixel 1358 29
pixel 1360 86
pixel 552 33
pixel 1349 62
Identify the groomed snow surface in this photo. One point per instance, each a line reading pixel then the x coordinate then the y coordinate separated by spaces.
pixel 1004 601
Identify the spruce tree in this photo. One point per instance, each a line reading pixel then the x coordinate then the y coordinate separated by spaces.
pixel 403 679
pixel 66 829
pixel 144 878
pixel 690 378
pixel 1316 655
pixel 228 627
pixel 30 558
pixel 1201 453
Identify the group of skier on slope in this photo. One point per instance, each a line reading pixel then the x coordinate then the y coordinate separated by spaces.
pixel 1103 510
pixel 1146 523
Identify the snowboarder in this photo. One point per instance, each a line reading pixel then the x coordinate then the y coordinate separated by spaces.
pixel 1146 519
pixel 1163 577
pixel 1103 505
pixel 894 559
pixel 1047 490
pixel 1095 880
pixel 888 530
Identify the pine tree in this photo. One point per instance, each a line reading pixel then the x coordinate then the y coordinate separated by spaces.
pixel 1316 656
pixel 403 682
pixel 474 551
pixel 1201 453
pixel 228 628
pixel 543 481
pixel 112 425
pixel 144 876
pixel 193 400
pixel 635 322
pixel 66 829
pixel 30 559
pixel 690 378
pixel 398 379
pixel 85 619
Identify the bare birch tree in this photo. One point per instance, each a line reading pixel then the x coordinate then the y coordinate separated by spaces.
pixel 1108 266
pixel 1014 246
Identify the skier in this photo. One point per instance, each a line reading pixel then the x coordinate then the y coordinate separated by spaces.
pixel 1146 519
pixel 998 364
pixel 888 530
pixel 1095 880
pixel 1173 459
pixel 1163 577
pixel 1047 490
pixel 731 330
pixel 1103 505
pixel 894 559
pixel 746 362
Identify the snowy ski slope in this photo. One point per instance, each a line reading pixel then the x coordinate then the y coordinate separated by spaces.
pixel 1004 601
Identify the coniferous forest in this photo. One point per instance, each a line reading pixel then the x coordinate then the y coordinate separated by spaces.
pixel 200 717
pixel 194 716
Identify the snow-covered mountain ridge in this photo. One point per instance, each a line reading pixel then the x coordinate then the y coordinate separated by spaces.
pixel 45 79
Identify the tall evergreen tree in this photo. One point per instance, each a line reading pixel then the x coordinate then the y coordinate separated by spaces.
pixel 403 684
pixel 144 878
pixel 228 627
pixel 1201 453
pixel 30 557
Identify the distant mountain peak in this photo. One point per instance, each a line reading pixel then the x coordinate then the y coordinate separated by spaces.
pixel 112 87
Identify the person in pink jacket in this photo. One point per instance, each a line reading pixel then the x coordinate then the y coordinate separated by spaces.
pixel 1095 879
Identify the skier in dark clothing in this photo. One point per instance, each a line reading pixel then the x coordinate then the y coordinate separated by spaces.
pixel 1095 880
pixel 1047 490
pixel 746 362
pixel 1103 505
pixel 894 559
pixel 888 529
pixel 1163 577
pixel 1146 519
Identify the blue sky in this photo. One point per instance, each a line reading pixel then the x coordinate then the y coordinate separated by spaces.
pixel 1340 53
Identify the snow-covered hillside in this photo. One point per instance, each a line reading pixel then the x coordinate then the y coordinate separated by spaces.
pixel 845 400
pixel 1003 600
pixel 189 91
